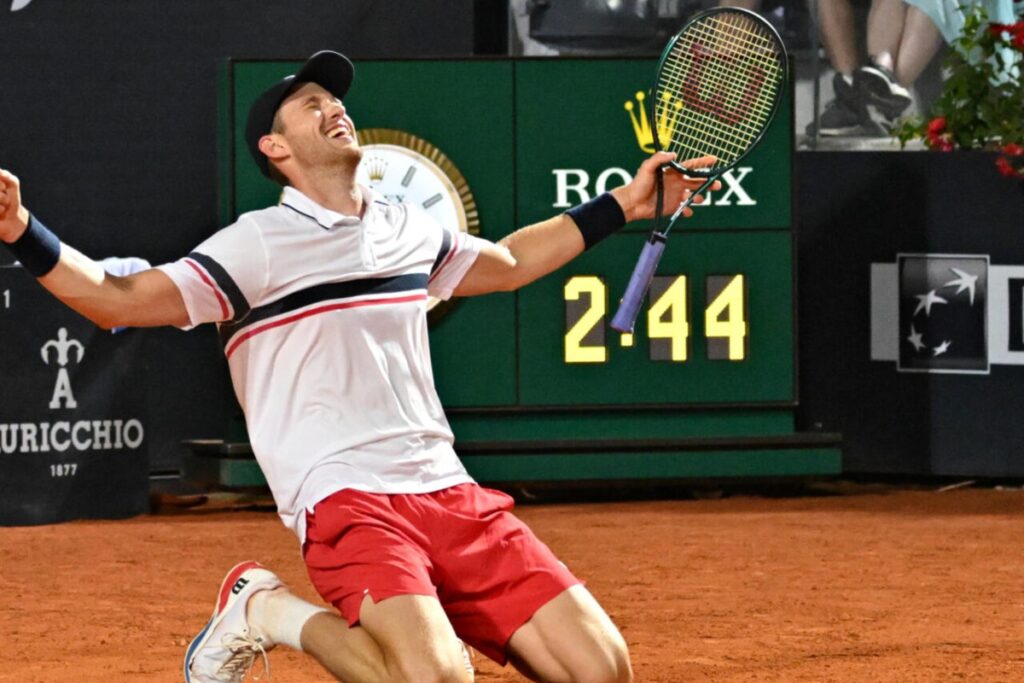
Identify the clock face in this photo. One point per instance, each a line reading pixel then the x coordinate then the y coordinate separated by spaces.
pixel 402 175
pixel 406 168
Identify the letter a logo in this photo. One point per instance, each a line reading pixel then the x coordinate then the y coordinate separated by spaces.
pixel 62 389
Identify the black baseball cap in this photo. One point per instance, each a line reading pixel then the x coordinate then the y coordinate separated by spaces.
pixel 332 70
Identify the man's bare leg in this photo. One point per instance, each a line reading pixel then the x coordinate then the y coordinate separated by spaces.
pixel 404 638
pixel 571 639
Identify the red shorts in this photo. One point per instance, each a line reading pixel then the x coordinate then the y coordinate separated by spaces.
pixel 461 545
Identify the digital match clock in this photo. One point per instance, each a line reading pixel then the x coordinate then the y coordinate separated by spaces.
pixel 668 319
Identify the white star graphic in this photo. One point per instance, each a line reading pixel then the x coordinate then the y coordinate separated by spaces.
pixel 964 281
pixel 926 301
pixel 943 347
pixel 915 339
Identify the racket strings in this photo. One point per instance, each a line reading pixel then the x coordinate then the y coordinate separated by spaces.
pixel 675 80
pixel 715 101
pixel 733 95
pixel 726 72
pixel 701 127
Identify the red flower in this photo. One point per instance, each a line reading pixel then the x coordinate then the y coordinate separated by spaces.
pixel 936 126
pixel 1016 31
pixel 1014 150
pixel 940 143
pixel 1005 167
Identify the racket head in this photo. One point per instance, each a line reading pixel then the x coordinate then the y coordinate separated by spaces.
pixel 718 87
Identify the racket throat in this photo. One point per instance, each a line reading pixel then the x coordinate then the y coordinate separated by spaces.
pixel 682 207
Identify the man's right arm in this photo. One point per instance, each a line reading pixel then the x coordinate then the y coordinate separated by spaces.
pixel 146 299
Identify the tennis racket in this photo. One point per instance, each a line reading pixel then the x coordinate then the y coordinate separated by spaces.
pixel 718 86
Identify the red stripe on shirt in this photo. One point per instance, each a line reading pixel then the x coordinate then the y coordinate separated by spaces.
pixel 316 311
pixel 447 259
pixel 209 282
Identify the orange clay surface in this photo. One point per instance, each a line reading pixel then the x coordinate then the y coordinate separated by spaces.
pixel 860 584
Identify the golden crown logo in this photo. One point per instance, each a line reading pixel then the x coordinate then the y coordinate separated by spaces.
pixel 668 118
pixel 376 167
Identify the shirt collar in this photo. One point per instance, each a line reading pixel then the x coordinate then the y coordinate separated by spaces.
pixel 326 218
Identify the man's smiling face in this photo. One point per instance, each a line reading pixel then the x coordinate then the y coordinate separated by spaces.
pixel 315 128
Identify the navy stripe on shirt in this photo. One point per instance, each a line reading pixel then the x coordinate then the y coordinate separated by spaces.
pixel 225 282
pixel 446 245
pixel 331 291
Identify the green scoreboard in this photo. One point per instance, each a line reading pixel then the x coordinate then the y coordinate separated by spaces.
pixel 536 383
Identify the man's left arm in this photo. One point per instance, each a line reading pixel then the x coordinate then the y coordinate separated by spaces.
pixel 536 250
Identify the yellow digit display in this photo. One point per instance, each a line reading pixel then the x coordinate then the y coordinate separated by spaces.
pixel 588 324
pixel 667 319
pixel 668 322
pixel 725 318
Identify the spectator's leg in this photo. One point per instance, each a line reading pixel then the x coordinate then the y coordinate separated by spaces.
pixel 920 41
pixel 838 34
pixel 846 114
pixel 876 81
pixel 886 20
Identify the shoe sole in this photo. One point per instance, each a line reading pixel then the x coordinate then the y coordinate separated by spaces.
pixel 226 597
pixel 838 132
pixel 878 90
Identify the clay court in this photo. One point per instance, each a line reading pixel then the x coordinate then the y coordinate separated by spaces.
pixel 838 583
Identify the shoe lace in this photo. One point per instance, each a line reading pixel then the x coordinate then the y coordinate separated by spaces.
pixel 243 649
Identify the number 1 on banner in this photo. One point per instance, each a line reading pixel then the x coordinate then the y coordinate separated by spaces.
pixel 7 298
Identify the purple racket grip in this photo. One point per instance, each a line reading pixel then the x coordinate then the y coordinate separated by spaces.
pixel 643 273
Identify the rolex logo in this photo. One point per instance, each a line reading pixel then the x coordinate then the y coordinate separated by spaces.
pixel 668 113
pixel 62 347
pixel 375 168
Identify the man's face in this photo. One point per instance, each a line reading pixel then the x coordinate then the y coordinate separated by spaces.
pixel 317 129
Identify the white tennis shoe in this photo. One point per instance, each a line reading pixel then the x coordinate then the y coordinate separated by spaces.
pixel 228 646
pixel 467 661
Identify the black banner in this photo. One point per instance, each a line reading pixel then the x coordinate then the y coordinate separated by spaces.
pixel 73 441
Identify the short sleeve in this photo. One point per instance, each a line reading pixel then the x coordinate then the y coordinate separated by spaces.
pixel 224 276
pixel 456 255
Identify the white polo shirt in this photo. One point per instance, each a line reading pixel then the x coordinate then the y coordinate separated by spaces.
pixel 322 317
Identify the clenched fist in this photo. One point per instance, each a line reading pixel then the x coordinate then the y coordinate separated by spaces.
pixel 13 216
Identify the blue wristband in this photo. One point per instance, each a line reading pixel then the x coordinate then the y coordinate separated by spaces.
pixel 598 218
pixel 37 249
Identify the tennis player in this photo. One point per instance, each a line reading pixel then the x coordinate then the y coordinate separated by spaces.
pixel 321 305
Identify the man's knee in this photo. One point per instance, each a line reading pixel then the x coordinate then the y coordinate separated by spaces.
pixel 613 667
pixel 434 672
pixel 618 671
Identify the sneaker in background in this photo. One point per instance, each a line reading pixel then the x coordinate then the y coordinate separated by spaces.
pixel 846 114
pixel 879 87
